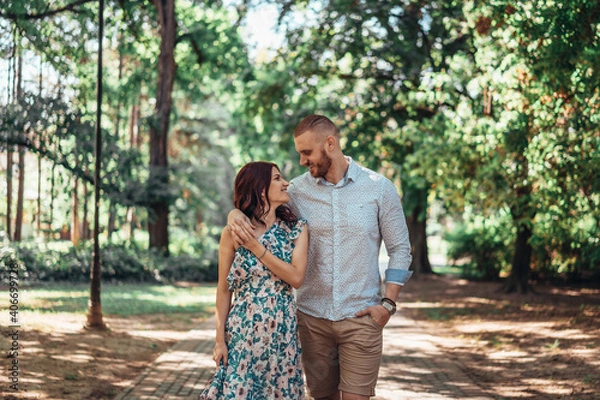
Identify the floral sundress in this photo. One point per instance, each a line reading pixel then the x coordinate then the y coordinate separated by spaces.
pixel 261 331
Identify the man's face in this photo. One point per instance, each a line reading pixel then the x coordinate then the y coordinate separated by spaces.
pixel 311 148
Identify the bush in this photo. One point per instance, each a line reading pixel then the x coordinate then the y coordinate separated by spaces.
pixel 566 252
pixel 485 247
pixel 189 268
pixel 120 263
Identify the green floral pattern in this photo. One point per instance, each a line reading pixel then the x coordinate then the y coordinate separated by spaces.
pixel 261 330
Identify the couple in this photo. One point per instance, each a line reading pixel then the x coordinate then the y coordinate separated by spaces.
pixel 342 308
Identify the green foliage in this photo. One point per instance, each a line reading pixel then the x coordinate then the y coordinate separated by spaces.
pixel 566 251
pixel 57 132
pixel 59 126
pixel 484 244
pixel 120 263
pixel 490 108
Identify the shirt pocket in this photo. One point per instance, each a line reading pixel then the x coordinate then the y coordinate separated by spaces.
pixel 362 218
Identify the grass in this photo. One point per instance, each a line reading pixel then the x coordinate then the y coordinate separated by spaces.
pixel 119 299
pixel 448 270
pixel 445 313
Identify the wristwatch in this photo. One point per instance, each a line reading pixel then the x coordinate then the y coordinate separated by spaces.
pixel 389 305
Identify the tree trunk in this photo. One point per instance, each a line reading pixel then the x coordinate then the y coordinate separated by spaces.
pixel 129 224
pixel 38 218
pixel 522 213
pixel 134 142
pixel 39 165
pixel 21 176
pixel 75 214
pixel 9 170
pixel 112 207
pixel 134 118
pixel 418 237
pixel 52 191
pixel 20 198
pixel 158 224
pixel 416 219
pixel 85 225
pixel 519 274
pixel 94 316
pixel 112 211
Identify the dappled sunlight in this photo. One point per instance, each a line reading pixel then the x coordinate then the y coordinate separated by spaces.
pixel 519 356
pixel 420 305
pixel 75 358
pixel 158 335
pixel 541 383
pixel 156 327
pixel 52 323
pixel 543 344
pixel 62 356
pixel 577 293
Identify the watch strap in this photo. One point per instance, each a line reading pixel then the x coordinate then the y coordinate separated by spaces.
pixel 389 301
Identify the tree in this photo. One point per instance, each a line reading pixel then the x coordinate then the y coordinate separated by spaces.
pixel 206 42
pixel 363 63
pixel 21 151
pixel 559 46
pixel 158 226
pixel 94 317
pixel 521 138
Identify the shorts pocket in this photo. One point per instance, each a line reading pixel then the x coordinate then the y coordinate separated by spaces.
pixel 372 322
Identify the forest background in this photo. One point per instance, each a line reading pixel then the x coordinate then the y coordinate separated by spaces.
pixel 484 114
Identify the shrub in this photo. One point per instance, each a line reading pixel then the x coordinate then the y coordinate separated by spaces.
pixel 484 247
pixel 120 263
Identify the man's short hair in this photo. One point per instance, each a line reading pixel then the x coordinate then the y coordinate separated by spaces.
pixel 316 123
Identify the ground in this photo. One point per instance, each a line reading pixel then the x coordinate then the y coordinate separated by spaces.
pixel 540 345
pixel 60 360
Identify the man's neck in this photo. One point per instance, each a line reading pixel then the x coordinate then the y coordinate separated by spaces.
pixel 338 170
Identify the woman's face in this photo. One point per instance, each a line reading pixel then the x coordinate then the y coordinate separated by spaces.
pixel 278 189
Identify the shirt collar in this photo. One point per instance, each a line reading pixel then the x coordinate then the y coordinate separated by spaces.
pixel 351 175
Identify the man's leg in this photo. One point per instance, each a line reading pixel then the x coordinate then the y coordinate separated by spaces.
pixel 335 396
pixel 360 342
pixel 319 357
pixel 354 396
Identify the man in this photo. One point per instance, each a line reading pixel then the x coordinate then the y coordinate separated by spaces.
pixel 341 310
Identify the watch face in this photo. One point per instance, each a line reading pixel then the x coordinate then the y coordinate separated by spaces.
pixel 388 306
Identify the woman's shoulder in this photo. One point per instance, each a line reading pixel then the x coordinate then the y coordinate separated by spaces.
pixel 298 223
pixel 293 229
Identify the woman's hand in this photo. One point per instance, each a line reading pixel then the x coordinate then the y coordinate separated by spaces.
pixel 220 353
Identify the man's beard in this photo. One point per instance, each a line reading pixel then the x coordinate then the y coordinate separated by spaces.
pixel 322 166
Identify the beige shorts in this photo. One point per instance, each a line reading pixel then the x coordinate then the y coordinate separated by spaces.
pixel 342 355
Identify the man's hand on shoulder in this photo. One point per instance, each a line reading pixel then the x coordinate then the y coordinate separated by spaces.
pixel 238 224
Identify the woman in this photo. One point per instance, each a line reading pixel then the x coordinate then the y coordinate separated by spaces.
pixel 257 349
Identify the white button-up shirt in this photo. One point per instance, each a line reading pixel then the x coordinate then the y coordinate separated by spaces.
pixel 347 223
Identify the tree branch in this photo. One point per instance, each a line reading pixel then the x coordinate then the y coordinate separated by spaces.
pixel 49 155
pixel 48 13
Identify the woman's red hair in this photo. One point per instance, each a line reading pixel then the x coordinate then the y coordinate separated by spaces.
pixel 251 182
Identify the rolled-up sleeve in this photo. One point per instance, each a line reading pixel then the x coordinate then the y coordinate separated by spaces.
pixel 394 232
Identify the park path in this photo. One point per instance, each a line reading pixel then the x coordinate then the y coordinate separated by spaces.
pixel 413 367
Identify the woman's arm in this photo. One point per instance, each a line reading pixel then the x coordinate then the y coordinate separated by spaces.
pixel 292 273
pixel 223 302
